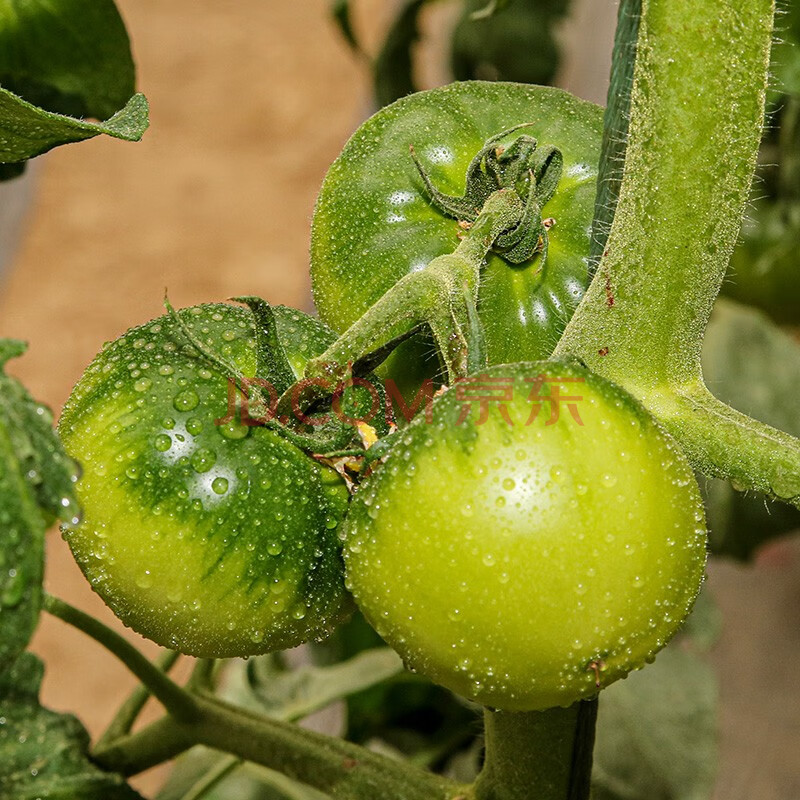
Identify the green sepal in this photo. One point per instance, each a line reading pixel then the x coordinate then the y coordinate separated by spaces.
pixel 272 364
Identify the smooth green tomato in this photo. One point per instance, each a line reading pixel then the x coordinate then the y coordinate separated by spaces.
pixel 526 565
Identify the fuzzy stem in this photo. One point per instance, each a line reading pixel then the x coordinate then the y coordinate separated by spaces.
pixel 346 771
pixel 129 711
pixel 343 770
pixel 433 296
pixel 696 111
pixel 538 755
pixel 178 702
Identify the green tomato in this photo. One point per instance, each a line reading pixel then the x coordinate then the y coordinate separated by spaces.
pixel 525 566
pixel 217 540
pixel 374 223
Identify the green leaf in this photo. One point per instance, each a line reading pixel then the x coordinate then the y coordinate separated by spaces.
pixel 656 732
pixel 393 66
pixel 21 556
pixel 71 56
pixel 754 366
pixel 246 782
pixel 27 131
pixel 294 694
pixel 36 485
pixel 704 625
pixel 44 755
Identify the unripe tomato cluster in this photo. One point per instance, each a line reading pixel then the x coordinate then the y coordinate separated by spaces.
pixel 522 550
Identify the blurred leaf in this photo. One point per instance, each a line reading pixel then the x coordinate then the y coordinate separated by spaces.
pixel 657 733
pixel 488 9
pixel 71 56
pixel 751 364
pixel 515 43
pixel 246 782
pixel 36 485
pixel 44 754
pixel 407 713
pixel 27 131
pixel 785 55
pixel 704 625
pixel 294 694
pixel 393 66
pixel 340 11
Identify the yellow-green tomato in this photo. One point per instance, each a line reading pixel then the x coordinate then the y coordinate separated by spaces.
pixel 538 537
pixel 213 538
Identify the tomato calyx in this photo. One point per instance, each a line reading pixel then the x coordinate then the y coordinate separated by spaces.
pixel 531 170
pixel 274 379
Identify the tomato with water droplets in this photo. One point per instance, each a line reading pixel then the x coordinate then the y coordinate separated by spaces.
pixel 213 539
pixel 525 550
pixel 374 221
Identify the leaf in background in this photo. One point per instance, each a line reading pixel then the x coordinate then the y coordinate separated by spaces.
pixel 71 56
pixel 27 131
pixel 704 625
pixel 785 55
pixel 393 67
pixel 36 486
pixel 515 43
pixel 406 713
pixel 44 754
pixel 59 62
pixel 246 782
pixel 656 732
pixel 293 694
pixel 751 364
pixel 340 11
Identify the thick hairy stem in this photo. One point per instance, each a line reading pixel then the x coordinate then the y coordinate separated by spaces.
pixel 696 111
pixel 343 770
pixel 538 755
pixel 432 297
pixel 129 711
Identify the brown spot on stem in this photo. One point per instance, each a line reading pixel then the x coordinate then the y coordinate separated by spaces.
pixel 609 291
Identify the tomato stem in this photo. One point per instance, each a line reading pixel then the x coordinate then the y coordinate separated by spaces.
pixel 696 112
pixel 432 297
pixel 129 711
pixel 343 770
pixel 176 700
pixel 541 754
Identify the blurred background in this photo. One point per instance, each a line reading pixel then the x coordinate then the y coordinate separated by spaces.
pixel 250 101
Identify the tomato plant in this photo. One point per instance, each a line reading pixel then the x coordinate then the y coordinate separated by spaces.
pixel 201 533
pixel 533 534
